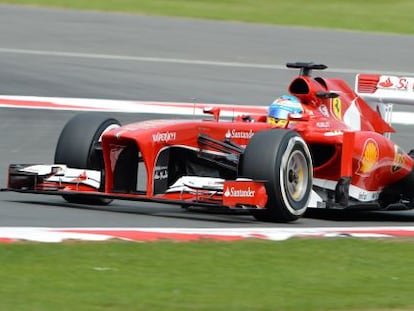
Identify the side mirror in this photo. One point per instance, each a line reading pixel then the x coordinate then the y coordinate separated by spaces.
pixel 215 111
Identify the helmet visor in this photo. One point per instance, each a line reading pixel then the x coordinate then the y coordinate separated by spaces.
pixel 279 112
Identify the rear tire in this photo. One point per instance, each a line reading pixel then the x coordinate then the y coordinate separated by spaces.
pixel 79 147
pixel 283 160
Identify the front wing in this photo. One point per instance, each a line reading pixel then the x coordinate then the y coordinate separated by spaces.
pixel 186 191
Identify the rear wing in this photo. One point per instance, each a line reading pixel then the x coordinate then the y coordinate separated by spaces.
pixel 383 91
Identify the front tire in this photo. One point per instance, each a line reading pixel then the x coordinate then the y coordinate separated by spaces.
pixel 283 160
pixel 79 147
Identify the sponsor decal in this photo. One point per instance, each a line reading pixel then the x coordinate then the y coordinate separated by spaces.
pixel 163 137
pixel 402 84
pixel 323 124
pixel 239 134
pixel 398 162
pixel 369 157
pixel 160 173
pixel 386 84
pixel 239 193
pixel 324 110
pixel 337 108
pixel 368 196
pixel 246 192
pixel 363 196
pixel 396 83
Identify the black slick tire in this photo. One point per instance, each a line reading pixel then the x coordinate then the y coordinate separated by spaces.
pixel 282 159
pixel 78 146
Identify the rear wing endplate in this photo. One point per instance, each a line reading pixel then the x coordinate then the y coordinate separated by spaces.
pixel 384 91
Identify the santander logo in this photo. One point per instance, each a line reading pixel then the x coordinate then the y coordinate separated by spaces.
pixel 239 193
pixel 387 83
pixel 239 134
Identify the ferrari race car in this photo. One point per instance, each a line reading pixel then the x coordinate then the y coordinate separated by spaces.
pixel 335 154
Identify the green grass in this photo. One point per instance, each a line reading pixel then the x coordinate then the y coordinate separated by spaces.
pixel 298 274
pixel 369 15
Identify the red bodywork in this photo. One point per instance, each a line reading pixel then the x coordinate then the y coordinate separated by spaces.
pixel 365 154
pixel 344 134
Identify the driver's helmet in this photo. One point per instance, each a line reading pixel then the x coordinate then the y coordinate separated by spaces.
pixel 280 109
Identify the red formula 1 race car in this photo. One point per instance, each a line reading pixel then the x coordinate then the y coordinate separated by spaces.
pixel 327 149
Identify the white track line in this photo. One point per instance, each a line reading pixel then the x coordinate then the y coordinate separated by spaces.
pixel 179 61
pixel 184 109
pixel 56 235
pixel 141 58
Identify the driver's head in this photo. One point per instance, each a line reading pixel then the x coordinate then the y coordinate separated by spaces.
pixel 280 109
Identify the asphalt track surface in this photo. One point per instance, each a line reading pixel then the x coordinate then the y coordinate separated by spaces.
pixel 47 52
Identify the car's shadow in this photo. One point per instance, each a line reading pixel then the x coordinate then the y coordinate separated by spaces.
pixel 312 218
pixel 156 210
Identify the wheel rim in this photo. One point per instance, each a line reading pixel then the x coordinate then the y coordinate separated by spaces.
pixel 296 179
